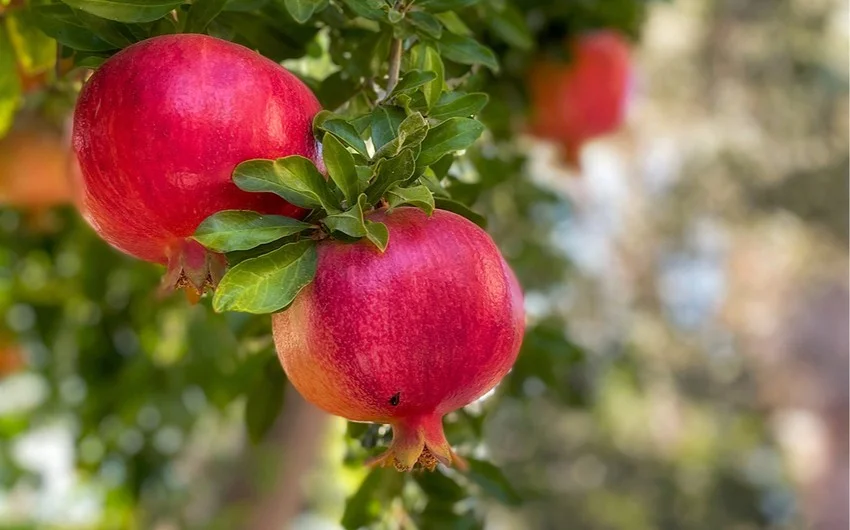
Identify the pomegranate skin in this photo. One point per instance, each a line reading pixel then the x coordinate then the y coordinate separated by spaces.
pixel 406 336
pixel 159 128
pixel 584 99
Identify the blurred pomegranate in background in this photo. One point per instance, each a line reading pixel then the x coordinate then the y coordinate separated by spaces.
pixel 575 101
pixel 33 166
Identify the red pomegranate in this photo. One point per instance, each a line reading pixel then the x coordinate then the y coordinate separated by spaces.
pixel 33 167
pixel 586 98
pixel 158 130
pixel 406 336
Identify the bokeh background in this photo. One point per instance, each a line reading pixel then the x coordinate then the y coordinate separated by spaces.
pixel 686 365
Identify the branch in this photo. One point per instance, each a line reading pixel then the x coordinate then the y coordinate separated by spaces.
pixel 395 65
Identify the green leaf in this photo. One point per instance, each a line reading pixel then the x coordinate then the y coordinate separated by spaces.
pixel 201 14
pixel 466 50
pixel 431 181
pixel 267 283
pixel 126 10
pixel 60 22
pixel 352 223
pixel 428 59
pixel 413 80
pixel 294 178
pixel 438 6
pixel 378 234
pixel 394 16
pixel 371 9
pixel 493 482
pixel 442 203
pixel 426 22
pixel 411 132
pixel 341 168
pixel 390 171
pixel 36 51
pixel 112 32
pixel 418 196
pixel 231 230
pixel 302 10
pixel 454 104
pixel 264 400
pixel 370 500
pixel 509 24
pixel 437 486
pixel 453 23
pixel 347 133
pixel 385 122
pixel 10 86
pixel 452 135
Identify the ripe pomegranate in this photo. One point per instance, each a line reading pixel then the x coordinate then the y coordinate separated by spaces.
pixel 158 130
pixel 406 336
pixel 33 167
pixel 586 98
pixel 11 359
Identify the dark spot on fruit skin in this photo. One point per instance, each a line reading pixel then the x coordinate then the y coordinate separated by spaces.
pixel 394 401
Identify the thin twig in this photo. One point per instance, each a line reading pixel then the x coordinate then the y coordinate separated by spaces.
pixel 394 66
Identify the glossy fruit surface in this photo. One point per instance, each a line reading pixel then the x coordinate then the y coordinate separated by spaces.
pixel 406 336
pixel 158 130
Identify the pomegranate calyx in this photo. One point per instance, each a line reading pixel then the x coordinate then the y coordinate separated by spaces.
pixel 418 443
pixel 192 268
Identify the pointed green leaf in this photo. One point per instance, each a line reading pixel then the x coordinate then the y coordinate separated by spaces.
pixel 231 230
pixel 454 104
pixel 341 168
pixel 438 6
pixel 385 122
pixel 428 59
pixel 345 132
pixel 418 196
pixel 466 50
pixel 371 9
pixel 452 135
pixel 510 25
pixel 294 178
pixel 112 32
pixel 390 171
pixel 60 22
pixel 364 175
pixel 431 181
pixel 353 224
pixel 201 14
pixel 126 10
pixel 267 283
pixel 302 10
pixel 449 205
pixel 493 482
pixel 454 23
pixel 378 234
pixel 411 132
pixel 426 22
pixel 412 80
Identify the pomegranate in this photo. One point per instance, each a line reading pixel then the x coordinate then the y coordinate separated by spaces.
pixel 158 130
pixel 586 98
pixel 406 336
pixel 33 167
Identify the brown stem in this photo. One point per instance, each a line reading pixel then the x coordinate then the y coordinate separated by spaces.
pixel 394 66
